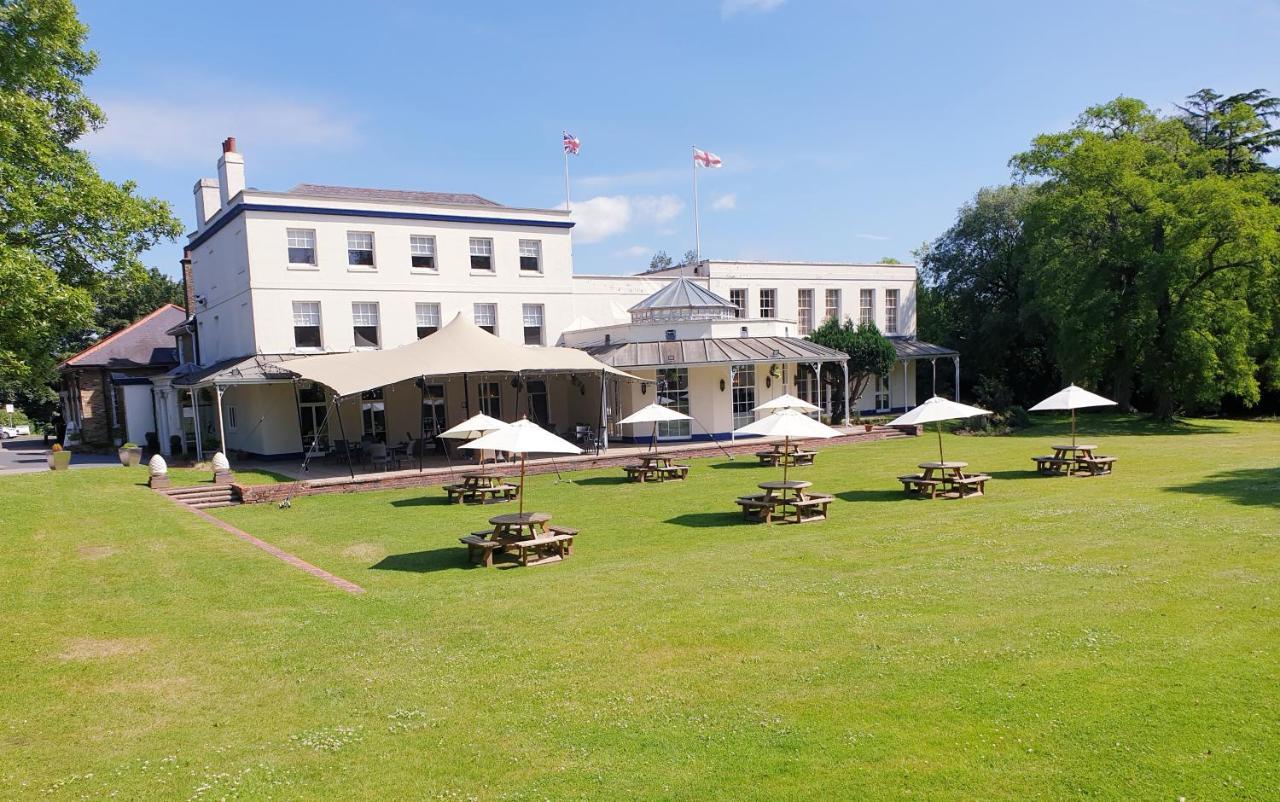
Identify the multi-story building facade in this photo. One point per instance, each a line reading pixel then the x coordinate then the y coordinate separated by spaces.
pixel 273 276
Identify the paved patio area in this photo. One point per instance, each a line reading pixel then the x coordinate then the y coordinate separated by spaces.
pixel 29 454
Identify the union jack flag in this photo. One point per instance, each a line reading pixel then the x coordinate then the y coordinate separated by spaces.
pixel 571 143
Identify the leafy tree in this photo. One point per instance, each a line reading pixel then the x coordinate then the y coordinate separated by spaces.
pixel 660 261
pixel 64 230
pixel 127 296
pixel 975 296
pixel 888 260
pixel 1238 126
pixel 870 354
pixel 1155 268
pixel 690 257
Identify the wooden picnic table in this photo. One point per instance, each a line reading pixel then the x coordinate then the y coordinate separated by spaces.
pixel 1078 459
pixel 947 479
pixel 781 496
pixel 481 487
pixel 524 534
pixel 788 454
pixel 660 465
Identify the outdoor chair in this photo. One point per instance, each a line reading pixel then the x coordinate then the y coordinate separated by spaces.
pixel 381 457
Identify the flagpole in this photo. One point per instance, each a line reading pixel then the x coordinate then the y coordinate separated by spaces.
pixel 566 179
pixel 697 226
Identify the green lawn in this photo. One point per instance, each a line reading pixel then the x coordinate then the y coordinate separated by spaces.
pixel 1108 638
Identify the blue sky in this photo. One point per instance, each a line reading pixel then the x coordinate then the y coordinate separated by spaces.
pixel 849 131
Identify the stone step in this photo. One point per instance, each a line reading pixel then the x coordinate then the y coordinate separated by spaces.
pixel 187 498
pixel 199 491
pixel 209 505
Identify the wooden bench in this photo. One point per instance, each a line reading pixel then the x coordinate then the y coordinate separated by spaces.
pixel 1050 465
pixel 676 472
pixel 1097 466
pixel 803 457
pixel 548 548
pixel 478 495
pixel 916 483
pixel 756 508
pixel 637 473
pixel 768 457
pixel 479 548
pixel 966 486
pixel 812 508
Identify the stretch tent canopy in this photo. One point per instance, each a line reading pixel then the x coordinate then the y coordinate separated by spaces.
pixel 460 347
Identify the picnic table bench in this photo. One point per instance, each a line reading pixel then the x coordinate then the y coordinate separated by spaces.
pixel 472 494
pixel 789 458
pixel 779 497
pixel 1078 460
pixel 656 465
pixel 916 483
pixel 529 536
pixel 946 479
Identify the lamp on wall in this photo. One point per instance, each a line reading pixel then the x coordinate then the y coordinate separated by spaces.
pixel 644 388
pixel 722 385
pixel 768 381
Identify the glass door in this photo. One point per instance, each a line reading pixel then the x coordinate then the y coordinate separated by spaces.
pixel 882 393
pixel 433 420
pixel 673 392
pixel 311 418
pixel 744 394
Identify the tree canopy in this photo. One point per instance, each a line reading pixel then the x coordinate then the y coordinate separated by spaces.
pixel 870 353
pixel 68 234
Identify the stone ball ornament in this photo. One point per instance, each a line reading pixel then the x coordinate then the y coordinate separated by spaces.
pixel 158 466
pixel 220 462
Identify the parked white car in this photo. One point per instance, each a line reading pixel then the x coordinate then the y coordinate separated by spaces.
pixel 14 431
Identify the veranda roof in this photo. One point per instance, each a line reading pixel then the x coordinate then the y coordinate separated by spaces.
pixel 460 347
pixel 720 350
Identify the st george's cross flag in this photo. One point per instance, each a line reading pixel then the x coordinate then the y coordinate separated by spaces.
pixel 706 159
pixel 571 143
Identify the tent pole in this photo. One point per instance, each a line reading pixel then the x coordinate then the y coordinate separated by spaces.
pixel 422 422
pixel 466 396
pixel 342 427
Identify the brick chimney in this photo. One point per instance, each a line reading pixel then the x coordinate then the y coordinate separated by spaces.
pixel 230 171
pixel 188 282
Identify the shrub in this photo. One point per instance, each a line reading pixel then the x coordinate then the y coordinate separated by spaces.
pixel 56 448
pixel 130 445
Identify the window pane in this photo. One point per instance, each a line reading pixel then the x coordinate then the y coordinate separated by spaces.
pixel 302 246
pixel 532 314
pixel 364 314
pixel 306 336
pixel 804 305
pixel 481 247
pixel 306 313
pixel 422 245
pixel 833 305
pixel 739 299
pixel 428 314
pixel 366 336
pixel 486 317
pixel 360 248
pixel 530 254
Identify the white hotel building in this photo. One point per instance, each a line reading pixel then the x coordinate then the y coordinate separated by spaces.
pixel 272 276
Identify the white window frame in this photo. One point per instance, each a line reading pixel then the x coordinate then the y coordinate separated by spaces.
pixel 422 314
pixel 804 312
pixel 423 245
pixel 827 313
pixel 536 312
pixel 485 245
pixel 475 315
pixel 741 301
pixel 891 309
pixel 372 249
pixel 772 294
pixel 866 306
pixel 319 324
pixel 535 246
pixel 289 236
pixel 362 313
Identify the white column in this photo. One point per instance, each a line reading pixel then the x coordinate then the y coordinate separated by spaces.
pixel 844 366
pixel 956 360
pixel 222 435
pixel 195 423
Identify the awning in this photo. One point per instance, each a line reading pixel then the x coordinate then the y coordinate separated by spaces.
pixel 460 347
pixel 908 348
pixel 255 369
pixel 722 350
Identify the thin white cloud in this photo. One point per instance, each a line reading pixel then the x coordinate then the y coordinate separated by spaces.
pixel 604 216
pixel 875 237
pixel 725 202
pixel 732 8
pixel 179 132
pixel 639 178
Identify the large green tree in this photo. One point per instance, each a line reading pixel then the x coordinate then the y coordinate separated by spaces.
pixel 66 233
pixel 1155 265
pixel 870 355
pixel 976 297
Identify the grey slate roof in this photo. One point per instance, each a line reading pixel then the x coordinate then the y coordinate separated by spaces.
pixel 145 343
pixel 728 350
pixel 404 196
pixel 911 348
pixel 683 293
pixel 255 369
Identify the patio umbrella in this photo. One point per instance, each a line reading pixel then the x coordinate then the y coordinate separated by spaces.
pixel 788 423
pixel 523 437
pixel 936 410
pixel 787 401
pixel 655 414
pixel 1072 398
pixel 473 427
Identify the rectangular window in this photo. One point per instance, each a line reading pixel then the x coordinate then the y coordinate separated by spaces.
pixel 302 246
pixel 490 399
pixel 364 324
pixel 535 393
pixel 531 255
pixel 673 393
pixel 233 419
pixel 433 409
pixel 890 311
pixel 768 303
pixel 739 299
pixel 373 414
pixel 804 307
pixel 866 306
pixel 532 324
pixel 481 254
pixel 360 248
pixel 428 319
pixel 486 317
pixel 422 251
pixel 306 324
pixel 833 306
pixel 744 394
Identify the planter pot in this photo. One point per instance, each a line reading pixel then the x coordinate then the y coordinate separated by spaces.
pixel 59 460
pixel 866 427
pixel 130 457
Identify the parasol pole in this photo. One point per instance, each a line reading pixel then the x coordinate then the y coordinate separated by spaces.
pixel 940 458
pixel 786 447
pixel 653 441
pixel 1073 427
pixel 522 458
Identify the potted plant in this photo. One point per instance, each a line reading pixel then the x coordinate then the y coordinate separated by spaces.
pixel 130 454
pixel 59 458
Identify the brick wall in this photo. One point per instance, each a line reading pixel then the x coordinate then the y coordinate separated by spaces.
pixel 260 494
pixel 95 427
